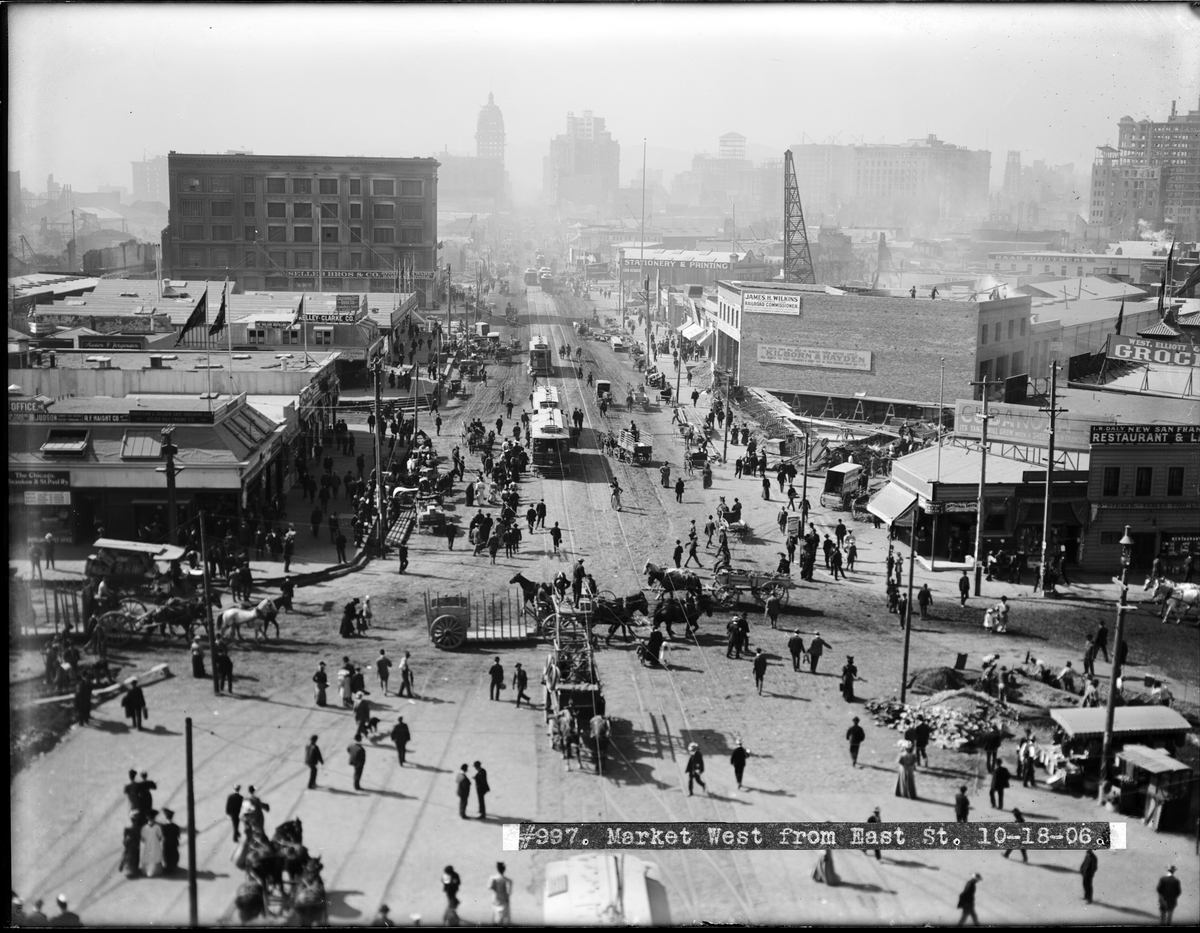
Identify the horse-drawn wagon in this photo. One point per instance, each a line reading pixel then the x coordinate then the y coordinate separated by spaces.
pixel 729 584
pixel 574 702
pixel 633 448
pixel 845 484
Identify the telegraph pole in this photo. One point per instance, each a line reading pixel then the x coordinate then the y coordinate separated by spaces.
pixel 169 451
pixel 1122 608
pixel 193 906
pixel 1053 410
pixel 981 505
pixel 212 631
pixel 381 516
pixel 912 559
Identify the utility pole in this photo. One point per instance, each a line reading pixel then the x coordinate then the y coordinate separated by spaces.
pixel 804 490
pixel 1122 608
pixel 907 620
pixel 169 451
pixel 937 510
pixel 1053 410
pixel 212 631
pixel 981 506
pixel 728 416
pixel 193 905
pixel 381 516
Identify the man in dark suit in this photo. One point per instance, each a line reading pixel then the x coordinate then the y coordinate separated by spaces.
pixel 481 789
pixel 962 806
pixel 313 758
pixel 966 900
pixel 358 759
pixel 233 807
pixel 875 818
pixel 463 787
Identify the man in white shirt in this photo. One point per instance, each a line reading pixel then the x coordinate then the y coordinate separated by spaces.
pixel 501 887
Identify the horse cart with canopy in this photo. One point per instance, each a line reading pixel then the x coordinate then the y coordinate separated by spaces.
pixel 845 484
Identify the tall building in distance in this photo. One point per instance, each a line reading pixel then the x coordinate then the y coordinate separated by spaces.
pixel 915 185
pixel 1153 175
pixel 582 170
pixel 150 182
pixel 303 223
pixel 489 132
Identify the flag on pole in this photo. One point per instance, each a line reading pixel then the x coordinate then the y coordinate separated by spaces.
pixel 1121 316
pixel 219 324
pixel 198 317
pixel 1162 292
pixel 299 313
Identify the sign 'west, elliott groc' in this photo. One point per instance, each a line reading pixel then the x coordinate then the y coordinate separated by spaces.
pixel 1143 350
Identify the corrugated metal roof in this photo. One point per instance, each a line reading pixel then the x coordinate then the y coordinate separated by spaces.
pixel 1127 720
pixel 142 444
pixel 1161 329
pixel 1154 760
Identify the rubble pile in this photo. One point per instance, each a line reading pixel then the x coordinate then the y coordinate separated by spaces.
pixel 933 679
pixel 957 718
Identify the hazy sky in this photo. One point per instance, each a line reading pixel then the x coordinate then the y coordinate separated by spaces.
pixel 92 87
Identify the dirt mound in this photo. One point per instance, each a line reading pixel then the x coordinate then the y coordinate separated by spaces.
pixel 957 719
pixel 936 679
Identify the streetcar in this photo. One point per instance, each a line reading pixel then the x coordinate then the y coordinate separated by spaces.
pixel 550 442
pixel 531 276
pixel 539 357
pixel 546 397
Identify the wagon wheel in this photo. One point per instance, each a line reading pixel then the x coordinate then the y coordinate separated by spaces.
pixel 131 605
pixel 118 627
pixel 778 590
pixel 725 596
pixel 448 632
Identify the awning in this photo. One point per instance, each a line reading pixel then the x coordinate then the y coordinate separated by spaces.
pixel 1154 760
pixel 1127 721
pixel 682 327
pixel 705 337
pixel 891 503
pixel 692 330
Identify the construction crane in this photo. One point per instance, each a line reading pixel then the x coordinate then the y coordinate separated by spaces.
pixel 797 258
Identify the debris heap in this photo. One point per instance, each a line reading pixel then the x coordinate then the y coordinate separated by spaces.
pixel 957 718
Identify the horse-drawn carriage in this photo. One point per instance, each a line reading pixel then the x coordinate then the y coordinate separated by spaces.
pixel 299 898
pixel 1178 599
pixel 137 572
pixel 574 701
pixel 845 484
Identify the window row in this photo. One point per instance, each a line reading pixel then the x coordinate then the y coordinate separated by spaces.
pixel 226 184
pixel 301 234
pixel 279 260
pixel 1143 482
pixel 321 336
pixel 192 207
pixel 290 283
pixel 997 331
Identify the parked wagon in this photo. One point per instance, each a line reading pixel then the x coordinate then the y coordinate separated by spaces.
pixel 844 484
pixel 452 620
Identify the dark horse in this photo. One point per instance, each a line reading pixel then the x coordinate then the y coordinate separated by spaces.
pixel 672 580
pixel 529 589
pixel 618 613
pixel 669 611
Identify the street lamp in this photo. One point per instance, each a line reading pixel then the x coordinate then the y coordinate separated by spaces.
pixel 1122 608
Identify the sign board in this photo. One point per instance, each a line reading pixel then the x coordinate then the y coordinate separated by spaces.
pixel 821 357
pixel 107 323
pixel 349 304
pixel 40 497
pixel 334 317
pixel 1105 434
pixel 771 303
pixel 135 416
pixel 112 343
pixel 1143 350
pixel 1020 424
pixel 39 479
pixel 355 274
pixel 647 263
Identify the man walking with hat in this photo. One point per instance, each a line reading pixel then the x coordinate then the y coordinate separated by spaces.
pixel 313 758
pixel 695 768
pixel 966 900
pixel 815 649
pixel 855 736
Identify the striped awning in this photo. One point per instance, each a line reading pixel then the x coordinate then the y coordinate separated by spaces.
pixel 706 336
pixel 692 330
pixel 891 503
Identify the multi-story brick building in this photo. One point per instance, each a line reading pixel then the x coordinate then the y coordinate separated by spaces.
pixel 303 223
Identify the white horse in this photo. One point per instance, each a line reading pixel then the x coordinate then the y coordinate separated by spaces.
pixel 1174 595
pixel 233 620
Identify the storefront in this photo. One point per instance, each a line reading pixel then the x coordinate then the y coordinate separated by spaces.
pixel 80 465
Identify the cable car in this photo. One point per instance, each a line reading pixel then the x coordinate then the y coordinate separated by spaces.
pixel 539 357
pixel 550 442
pixel 546 397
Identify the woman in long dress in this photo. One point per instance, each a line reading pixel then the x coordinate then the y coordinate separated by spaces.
pixel 152 848
pixel 906 784
pixel 132 847
pixel 824 872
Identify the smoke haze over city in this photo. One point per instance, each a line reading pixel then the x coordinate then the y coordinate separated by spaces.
pixel 93 87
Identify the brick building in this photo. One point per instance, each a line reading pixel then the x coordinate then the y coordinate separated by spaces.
pixel 303 223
